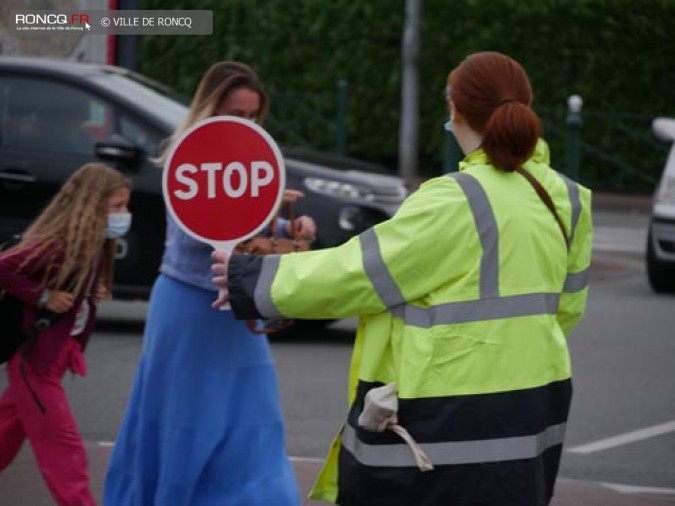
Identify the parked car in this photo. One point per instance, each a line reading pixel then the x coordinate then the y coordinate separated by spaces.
pixel 661 236
pixel 56 115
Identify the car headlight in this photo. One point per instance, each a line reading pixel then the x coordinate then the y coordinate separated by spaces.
pixel 356 219
pixel 666 191
pixel 338 188
pixel 349 217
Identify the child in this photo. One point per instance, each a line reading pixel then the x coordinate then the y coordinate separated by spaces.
pixel 64 264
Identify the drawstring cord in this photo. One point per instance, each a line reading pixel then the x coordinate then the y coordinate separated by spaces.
pixel 380 413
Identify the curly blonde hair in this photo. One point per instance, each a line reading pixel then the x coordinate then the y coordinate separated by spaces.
pixel 71 231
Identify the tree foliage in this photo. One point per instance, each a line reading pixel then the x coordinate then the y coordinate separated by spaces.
pixel 616 54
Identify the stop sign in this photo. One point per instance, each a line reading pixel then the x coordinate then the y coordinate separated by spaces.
pixel 223 180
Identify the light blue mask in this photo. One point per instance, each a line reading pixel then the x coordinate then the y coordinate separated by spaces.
pixel 118 225
pixel 448 126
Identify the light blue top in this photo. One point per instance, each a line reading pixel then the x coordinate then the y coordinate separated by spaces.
pixel 189 260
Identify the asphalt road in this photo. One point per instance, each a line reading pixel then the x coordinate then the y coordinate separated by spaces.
pixel 621 436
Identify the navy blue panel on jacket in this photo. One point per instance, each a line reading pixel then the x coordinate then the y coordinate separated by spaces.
pixel 504 482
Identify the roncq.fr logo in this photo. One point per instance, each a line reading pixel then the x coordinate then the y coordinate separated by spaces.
pixel 51 19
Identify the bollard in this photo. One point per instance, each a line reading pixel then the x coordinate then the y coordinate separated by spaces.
pixel 573 140
pixel 341 118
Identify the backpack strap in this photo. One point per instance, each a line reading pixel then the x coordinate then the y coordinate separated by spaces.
pixel 546 198
pixel 44 319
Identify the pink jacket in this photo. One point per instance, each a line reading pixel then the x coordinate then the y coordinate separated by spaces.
pixel 27 286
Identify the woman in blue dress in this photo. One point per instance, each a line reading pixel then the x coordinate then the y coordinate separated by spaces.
pixel 203 424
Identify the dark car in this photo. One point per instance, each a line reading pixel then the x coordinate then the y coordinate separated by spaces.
pixel 56 115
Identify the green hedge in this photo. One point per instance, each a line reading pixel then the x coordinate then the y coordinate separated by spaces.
pixel 616 54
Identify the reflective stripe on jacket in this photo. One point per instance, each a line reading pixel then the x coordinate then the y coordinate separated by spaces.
pixel 465 299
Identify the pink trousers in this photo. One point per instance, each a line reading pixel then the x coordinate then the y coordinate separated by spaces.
pixel 35 407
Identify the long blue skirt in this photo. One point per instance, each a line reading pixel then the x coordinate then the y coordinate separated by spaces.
pixel 203 424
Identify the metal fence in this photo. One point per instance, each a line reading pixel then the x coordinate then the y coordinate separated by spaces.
pixel 604 150
pixel 610 150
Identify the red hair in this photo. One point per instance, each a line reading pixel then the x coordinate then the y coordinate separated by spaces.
pixel 493 94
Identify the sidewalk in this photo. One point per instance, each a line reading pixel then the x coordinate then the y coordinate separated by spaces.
pixel 620 226
pixel 617 202
pixel 21 484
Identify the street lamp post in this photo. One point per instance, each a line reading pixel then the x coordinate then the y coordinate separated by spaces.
pixel 408 132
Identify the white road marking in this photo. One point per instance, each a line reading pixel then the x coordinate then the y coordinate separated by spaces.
pixel 633 489
pixel 310 460
pixel 624 439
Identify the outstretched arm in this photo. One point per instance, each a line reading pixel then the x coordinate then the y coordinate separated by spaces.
pixel 397 261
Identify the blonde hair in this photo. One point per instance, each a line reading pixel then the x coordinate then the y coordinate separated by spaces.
pixel 219 81
pixel 71 231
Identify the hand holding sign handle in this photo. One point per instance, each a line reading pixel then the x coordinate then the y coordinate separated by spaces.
pixel 221 259
pixel 223 247
pixel 223 181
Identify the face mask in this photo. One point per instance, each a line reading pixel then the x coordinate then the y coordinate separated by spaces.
pixel 448 126
pixel 118 225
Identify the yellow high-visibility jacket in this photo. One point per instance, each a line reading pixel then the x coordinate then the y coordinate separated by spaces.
pixel 465 298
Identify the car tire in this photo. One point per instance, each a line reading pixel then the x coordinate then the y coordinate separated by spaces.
pixel 661 275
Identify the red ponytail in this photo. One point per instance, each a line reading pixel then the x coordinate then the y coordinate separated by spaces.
pixel 493 94
pixel 510 135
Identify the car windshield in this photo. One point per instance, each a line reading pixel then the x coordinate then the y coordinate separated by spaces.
pixel 155 101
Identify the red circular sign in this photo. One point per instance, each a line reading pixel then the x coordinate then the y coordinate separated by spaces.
pixel 223 179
